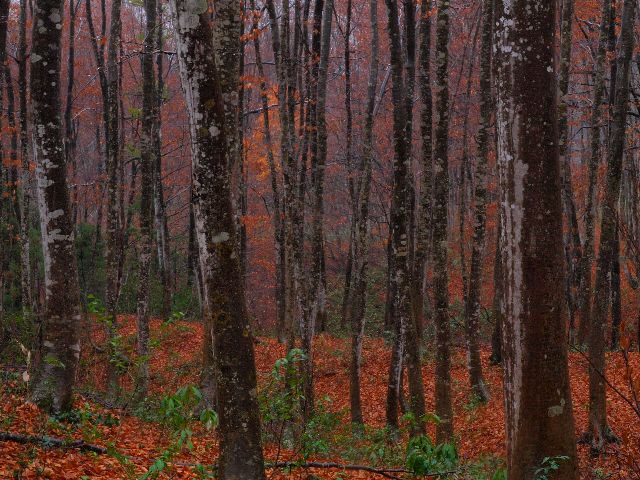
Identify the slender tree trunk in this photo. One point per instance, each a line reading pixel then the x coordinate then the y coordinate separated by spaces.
pixel 574 245
pixel 109 78
pixel 539 417
pixel 163 245
pixel 351 181
pixel 444 409
pixel 52 388
pixel 423 234
pixel 616 298
pixel 227 320
pixel 599 432
pixel 355 308
pixel 147 160
pixel 498 300
pixel 278 232
pixel 405 331
pixel 25 176
pixel 472 314
pixel 594 161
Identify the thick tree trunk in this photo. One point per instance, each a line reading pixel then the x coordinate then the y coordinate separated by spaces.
pixel 472 314
pixel 52 388
pixel 444 409
pixel 227 320
pixel 599 432
pixel 539 417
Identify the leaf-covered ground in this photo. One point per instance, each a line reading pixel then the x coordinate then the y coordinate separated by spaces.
pixel 139 442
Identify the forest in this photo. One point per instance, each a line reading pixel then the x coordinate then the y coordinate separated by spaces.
pixel 320 239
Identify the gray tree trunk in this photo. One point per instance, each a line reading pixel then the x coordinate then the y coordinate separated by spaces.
pixel 226 321
pixel 53 385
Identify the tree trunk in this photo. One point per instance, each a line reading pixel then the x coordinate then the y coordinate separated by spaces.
pixel 539 417
pixel 163 245
pixel 52 387
pixel 278 232
pixel 599 432
pixel 574 245
pixel 594 161
pixel 147 160
pixel 444 410
pixel 498 300
pixel 25 176
pixel 227 320
pixel 472 314
pixel 616 298
pixel 355 311
pixel 405 331
pixel 423 234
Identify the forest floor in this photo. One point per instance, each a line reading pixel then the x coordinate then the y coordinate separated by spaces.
pixel 136 438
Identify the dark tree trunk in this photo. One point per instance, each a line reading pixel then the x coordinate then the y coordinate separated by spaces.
pixel 594 161
pixel 616 298
pixel 405 332
pixel 599 432
pixel 25 190
pixel 444 409
pixel 355 311
pixel 539 417
pixel 423 235
pixel 147 160
pixel 472 308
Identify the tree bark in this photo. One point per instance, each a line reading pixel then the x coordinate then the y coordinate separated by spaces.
pixel 278 229
pixel 472 313
pixel 444 409
pixel 53 385
pixel 539 417
pixel 227 320
pixel 147 161
pixel 25 176
pixel 599 433
pixel 594 161
pixel 355 309
pixel 574 245
pixel 423 234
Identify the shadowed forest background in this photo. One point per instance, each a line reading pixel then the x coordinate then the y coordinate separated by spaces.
pixel 319 239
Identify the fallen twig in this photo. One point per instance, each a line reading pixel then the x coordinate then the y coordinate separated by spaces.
pixel 52 442
pixel 385 472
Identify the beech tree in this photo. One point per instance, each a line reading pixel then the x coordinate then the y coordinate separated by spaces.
pixel 148 162
pixel 472 308
pixel 54 379
pixel 599 432
pixel 444 409
pixel 539 416
pixel 355 308
pixel 226 320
